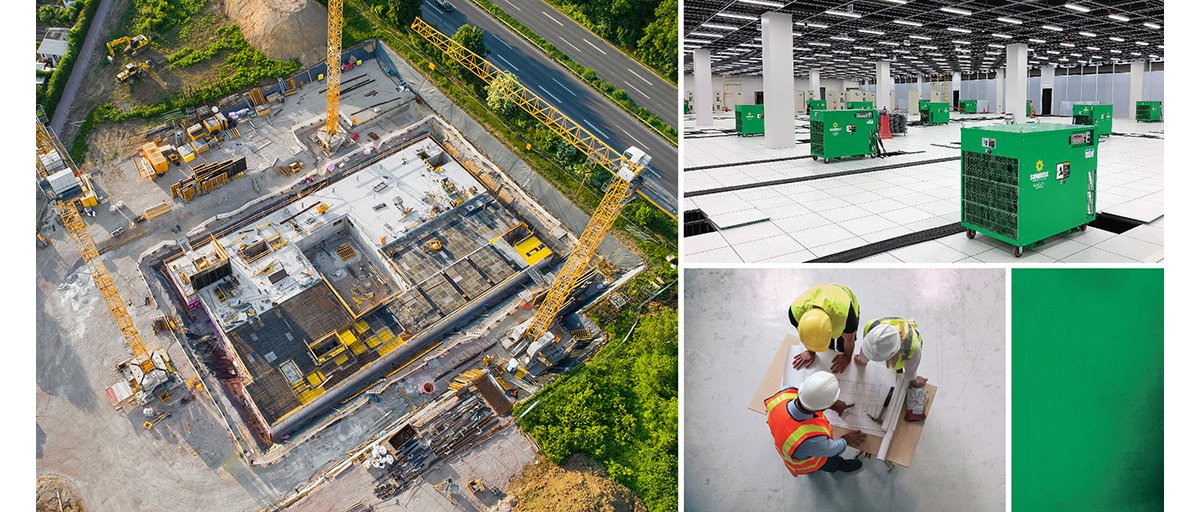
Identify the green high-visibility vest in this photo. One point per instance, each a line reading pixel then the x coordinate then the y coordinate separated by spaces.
pixel 910 338
pixel 836 300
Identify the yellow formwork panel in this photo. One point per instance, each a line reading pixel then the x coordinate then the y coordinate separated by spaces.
pixel 373 341
pixel 388 347
pixel 386 334
pixel 310 394
pixel 532 250
pixel 341 359
pixel 358 347
pixel 347 337
pixel 361 326
pixel 315 378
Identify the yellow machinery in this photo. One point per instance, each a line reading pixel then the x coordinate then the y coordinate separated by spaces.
pixel 333 83
pixel 433 245
pixel 147 370
pixel 132 70
pixel 132 45
pixel 627 168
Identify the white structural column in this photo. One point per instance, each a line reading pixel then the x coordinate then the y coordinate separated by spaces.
pixel 1016 78
pixel 702 63
pixel 1137 73
pixel 883 85
pixel 999 106
pixel 814 83
pixel 779 101
pixel 955 84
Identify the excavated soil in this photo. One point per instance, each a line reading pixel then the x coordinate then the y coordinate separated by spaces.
pixel 54 494
pixel 282 29
pixel 578 485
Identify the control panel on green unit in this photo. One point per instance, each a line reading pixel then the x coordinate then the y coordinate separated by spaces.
pixel 1083 138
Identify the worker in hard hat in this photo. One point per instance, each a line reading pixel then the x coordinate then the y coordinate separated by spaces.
pixel 818 314
pixel 897 343
pixel 803 437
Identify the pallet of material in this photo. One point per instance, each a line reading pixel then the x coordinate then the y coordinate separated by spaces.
pixel 208 177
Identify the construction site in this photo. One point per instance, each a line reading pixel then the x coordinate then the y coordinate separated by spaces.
pixel 335 279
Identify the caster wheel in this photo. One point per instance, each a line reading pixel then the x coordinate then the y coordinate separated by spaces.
pixel 814 159
pixel 1083 227
pixel 971 234
pixel 1018 251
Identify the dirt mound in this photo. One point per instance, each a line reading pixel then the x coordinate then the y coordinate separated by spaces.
pixel 282 29
pixel 579 485
pixel 54 494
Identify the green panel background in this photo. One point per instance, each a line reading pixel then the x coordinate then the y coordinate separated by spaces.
pixel 1087 389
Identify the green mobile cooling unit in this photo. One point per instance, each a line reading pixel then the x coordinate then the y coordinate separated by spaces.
pixel 1149 111
pixel 1024 183
pixel 968 106
pixel 1100 116
pixel 922 105
pixel 860 105
pixel 937 113
pixel 814 105
pixel 748 119
pixel 843 133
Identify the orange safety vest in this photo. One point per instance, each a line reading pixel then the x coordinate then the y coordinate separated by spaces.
pixel 789 433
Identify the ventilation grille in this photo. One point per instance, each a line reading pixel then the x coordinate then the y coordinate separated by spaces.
pixel 817 134
pixel 989 192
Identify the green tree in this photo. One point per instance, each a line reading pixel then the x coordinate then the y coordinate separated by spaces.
pixel 403 12
pixel 471 37
pixel 496 99
pixel 659 47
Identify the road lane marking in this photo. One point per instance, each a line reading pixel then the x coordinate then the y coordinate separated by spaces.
pixel 515 68
pixel 589 123
pixel 501 41
pixel 635 139
pixel 564 87
pixel 631 86
pixel 594 46
pixel 572 46
pixel 549 93
pixel 512 4
pixel 639 76
pixel 552 19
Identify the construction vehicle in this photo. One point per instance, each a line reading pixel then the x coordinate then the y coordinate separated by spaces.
pixel 433 245
pixel 626 167
pixel 1024 183
pixel 148 370
pixel 134 70
pixel 130 45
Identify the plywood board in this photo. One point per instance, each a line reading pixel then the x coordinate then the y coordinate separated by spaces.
pixel 864 386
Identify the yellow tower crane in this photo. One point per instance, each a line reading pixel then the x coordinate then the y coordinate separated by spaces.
pixel 333 78
pixel 627 168
pixel 147 369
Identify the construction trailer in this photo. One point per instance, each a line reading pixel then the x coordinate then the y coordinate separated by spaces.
pixel 748 120
pixel 1024 183
pixel 154 163
pixel 1149 111
pixel 1100 116
pixel 935 113
pixel 860 105
pixel 814 105
pixel 843 133
pixel 968 106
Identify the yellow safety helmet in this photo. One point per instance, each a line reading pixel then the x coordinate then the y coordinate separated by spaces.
pixel 816 329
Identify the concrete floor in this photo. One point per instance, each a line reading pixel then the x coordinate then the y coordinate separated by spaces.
pixel 827 215
pixel 735 319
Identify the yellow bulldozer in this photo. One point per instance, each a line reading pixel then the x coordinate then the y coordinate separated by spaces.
pixel 129 45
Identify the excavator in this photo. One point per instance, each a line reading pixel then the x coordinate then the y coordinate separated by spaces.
pixel 70 191
pixel 626 168
pixel 134 70
pixel 130 45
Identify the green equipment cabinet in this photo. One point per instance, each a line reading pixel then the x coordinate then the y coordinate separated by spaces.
pixel 1028 108
pixel 922 105
pixel 860 105
pixel 1149 111
pixel 936 113
pixel 748 119
pixel 968 106
pixel 1100 116
pixel 815 105
pixel 843 133
pixel 1024 183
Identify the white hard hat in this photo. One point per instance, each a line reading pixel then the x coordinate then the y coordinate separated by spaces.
pixel 819 391
pixel 881 343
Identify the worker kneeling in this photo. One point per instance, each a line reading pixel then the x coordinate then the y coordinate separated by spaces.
pixel 820 313
pixel 897 343
pixel 803 437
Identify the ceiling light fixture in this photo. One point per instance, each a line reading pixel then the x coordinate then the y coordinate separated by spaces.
pixel 1073 7
pixel 959 30
pixel 909 23
pixel 1052 27
pixel 718 26
pixel 843 14
pixel 1118 17
pixel 922 38
pixel 1038 41
pixel 1012 21
pixel 737 16
pixel 1088 34
pixel 955 10
pixel 869 31
pixel 1151 25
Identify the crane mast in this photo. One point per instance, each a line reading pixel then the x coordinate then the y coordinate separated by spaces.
pixel 333 77
pixel 626 168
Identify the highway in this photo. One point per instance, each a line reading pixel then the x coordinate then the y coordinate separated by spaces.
pixel 644 86
pixel 508 51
